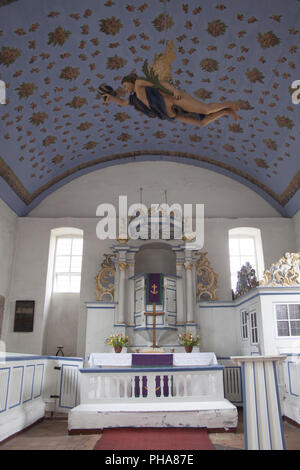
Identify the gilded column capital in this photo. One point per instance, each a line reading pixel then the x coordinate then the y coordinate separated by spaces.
pixel 188 266
pixel 122 266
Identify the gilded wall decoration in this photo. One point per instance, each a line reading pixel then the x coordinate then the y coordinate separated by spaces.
pixel 284 273
pixel 105 279
pixel 206 279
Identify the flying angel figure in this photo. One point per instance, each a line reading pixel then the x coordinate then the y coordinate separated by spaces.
pixel 155 97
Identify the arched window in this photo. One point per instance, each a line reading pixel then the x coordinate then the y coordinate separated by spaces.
pixel 245 245
pixel 67 260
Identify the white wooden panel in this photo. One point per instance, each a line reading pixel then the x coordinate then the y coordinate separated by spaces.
pixel 294 374
pixel 171 301
pixel 4 382
pixel 28 383
pixel 139 301
pixel 38 380
pixel 68 386
pixel 15 386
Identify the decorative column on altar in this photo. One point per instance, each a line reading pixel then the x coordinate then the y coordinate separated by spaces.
pixel 122 283
pixel 121 265
pixel 130 285
pixel 190 301
pixel 181 310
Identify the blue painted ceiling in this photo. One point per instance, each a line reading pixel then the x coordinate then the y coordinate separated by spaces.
pixel 55 53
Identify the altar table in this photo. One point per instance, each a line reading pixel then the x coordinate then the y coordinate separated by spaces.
pixel 148 359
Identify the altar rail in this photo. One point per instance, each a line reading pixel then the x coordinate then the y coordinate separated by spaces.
pixel 141 384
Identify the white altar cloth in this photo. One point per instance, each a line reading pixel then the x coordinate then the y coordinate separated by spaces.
pixel 110 360
pixel 194 359
pixel 125 359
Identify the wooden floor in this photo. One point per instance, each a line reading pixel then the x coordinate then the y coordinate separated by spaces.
pixel 52 434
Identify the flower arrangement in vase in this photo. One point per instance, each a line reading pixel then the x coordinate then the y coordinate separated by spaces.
pixel 117 341
pixel 188 341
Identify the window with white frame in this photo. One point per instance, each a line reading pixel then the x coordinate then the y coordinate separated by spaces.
pixel 253 328
pixel 245 246
pixel 244 324
pixel 67 267
pixel 288 319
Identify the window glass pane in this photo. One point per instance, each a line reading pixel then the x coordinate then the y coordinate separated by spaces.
pixel 234 246
pixel 247 246
pixel 76 264
pixel 295 328
pixel 283 328
pixel 281 312
pixel 254 338
pixel 77 246
pixel 235 264
pixel 62 264
pixel 62 283
pixel 75 283
pixel 63 246
pixel 294 312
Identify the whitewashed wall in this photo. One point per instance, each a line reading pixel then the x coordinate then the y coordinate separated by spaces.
pixel 222 196
pixel 8 229
pixel 61 327
pixel 31 259
pixel 296 220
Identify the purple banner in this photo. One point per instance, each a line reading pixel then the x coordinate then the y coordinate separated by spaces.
pixel 154 288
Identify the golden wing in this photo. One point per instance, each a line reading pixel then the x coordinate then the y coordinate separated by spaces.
pixel 162 64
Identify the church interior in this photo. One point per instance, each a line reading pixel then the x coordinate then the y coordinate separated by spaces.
pixel 120 315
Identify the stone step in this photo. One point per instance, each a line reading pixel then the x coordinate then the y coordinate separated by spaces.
pixel 210 414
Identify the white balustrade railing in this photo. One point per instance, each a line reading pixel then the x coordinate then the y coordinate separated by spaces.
pixel 139 384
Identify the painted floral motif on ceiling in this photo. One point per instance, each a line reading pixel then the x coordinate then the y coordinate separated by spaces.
pixel 54 57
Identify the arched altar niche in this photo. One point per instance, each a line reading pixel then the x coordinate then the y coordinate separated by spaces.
pixel 156 257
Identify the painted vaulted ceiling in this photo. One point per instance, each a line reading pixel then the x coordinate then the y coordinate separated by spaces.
pixel 55 53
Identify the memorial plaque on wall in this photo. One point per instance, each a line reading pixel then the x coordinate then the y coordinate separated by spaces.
pixel 24 316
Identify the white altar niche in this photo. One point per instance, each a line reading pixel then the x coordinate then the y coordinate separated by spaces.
pixel 166 312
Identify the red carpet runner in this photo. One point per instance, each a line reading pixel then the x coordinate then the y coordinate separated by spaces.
pixel 154 439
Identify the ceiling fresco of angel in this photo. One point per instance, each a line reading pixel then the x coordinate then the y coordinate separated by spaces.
pixel 219 75
pixel 155 96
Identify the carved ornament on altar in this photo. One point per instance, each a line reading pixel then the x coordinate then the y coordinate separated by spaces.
pixel 206 279
pixel 284 273
pixel 122 266
pixel 105 279
pixel 246 280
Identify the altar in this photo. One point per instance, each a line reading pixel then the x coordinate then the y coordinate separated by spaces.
pixel 146 292
pixel 152 390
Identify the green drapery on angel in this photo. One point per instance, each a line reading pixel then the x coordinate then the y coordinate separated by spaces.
pixel 154 96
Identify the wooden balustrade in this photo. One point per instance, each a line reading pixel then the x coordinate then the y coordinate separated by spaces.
pixel 127 384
